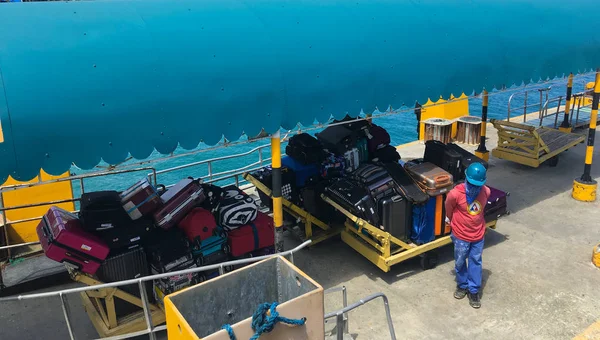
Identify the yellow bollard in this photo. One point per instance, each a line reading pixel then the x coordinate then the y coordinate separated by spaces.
pixel 584 188
pixel 481 151
pixel 566 126
pixel 596 256
pixel 277 203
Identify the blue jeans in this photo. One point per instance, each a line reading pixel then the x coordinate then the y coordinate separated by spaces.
pixel 468 276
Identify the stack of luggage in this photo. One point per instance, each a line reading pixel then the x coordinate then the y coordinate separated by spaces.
pixel 143 230
pixel 353 163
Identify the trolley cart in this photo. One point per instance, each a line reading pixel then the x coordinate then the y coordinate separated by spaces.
pixel 383 249
pixel 323 231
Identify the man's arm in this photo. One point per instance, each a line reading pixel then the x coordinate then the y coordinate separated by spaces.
pixel 450 204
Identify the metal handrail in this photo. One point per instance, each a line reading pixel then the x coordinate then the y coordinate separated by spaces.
pixel 342 289
pixel 150 330
pixel 339 314
pixel 542 91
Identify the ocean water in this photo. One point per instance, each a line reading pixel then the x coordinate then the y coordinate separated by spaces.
pixel 401 127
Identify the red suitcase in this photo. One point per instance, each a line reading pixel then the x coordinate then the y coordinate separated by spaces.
pixel 63 240
pixel 198 225
pixel 255 235
pixel 141 199
pixel 178 202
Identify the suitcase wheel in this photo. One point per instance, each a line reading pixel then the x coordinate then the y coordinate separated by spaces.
pixel 429 260
pixel 226 248
pixel 200 260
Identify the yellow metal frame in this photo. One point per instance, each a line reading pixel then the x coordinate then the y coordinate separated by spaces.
pixel 324 231
pixel 522 144
pixel 379 247
pixel 103 315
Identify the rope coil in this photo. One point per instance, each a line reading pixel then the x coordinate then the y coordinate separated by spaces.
pixel 264 320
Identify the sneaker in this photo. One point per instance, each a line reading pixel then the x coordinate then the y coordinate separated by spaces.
pixel 474 300
pixel 460 293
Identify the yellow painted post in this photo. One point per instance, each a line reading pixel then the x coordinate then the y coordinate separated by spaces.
pixel 418 114
pixel 566 126
pixel 584 188
pixel 481 151
pixel 277 204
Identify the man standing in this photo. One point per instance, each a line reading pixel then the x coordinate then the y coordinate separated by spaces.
pixel 464 210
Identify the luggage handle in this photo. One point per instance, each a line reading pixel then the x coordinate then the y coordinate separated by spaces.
pixel 442 178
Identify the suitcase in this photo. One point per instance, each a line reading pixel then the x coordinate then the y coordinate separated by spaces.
pixel 126 265
pixel 383 187
pixel 64 240
pixel 164 247
pixel 431 178
pixel 214 249
pixel 198 225
pixel 378 138
pixel 423 226
pixel 355 199
pixel 363 150
pixel 446 158
pixel 177 282
pixel 395 212
pixel 405 184
pixel 305 149
pixel 256 235
pixel 333 166
pixel 496 205
pixel 127 235
pixel 314 204
pixel 141 199
pixel 352 160
pixel 466 159
pixel 387 154
pixel 102 210
pixel 357 125
pixel 301 172
pixel 178 202
pixel 289 189
pixel 337 139
pixel 235 209
pixel 369 173
pixel 213 196
pixel 440 228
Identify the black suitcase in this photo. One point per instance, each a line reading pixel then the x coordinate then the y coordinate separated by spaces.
pixel 337 139
pixel 360 126
pixel 167 249
pixel 314 204
pixel 369 173
pixel 466 159
pixel 102 210
pixel 441 155
pixel 289 191
pixel 305 149
pixel 177 282
pixel 355 199
pixel 405 183
pixel 396 216
pixel 383 187
pixel 126 265
pixel 386 154
pixel 128 235
pixel 213 196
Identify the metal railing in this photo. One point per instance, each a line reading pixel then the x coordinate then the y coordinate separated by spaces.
pixel 340 319
pixel 150 329
pixel 527 102
pixel 150 172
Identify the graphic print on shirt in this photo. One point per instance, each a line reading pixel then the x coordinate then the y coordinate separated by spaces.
pixel 475 208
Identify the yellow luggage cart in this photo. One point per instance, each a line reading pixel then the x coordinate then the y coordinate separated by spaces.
pixel 531 146
pixel 383 249
pixel 323 230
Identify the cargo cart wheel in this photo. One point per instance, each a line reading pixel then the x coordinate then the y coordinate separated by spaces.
pixel 553 161
pixel 429 260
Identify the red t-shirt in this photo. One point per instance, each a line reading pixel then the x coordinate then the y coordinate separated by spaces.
pixel 468 223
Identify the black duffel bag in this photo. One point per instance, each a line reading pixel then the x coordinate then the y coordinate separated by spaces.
pixel 102 210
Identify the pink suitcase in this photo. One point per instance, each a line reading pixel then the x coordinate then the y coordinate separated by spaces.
pixel 178 202
pixel 63 240
pixel 141 199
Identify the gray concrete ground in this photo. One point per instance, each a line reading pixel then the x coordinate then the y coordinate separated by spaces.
pixel 539 282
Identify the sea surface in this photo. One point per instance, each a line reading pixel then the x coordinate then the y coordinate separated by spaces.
pixel 401 127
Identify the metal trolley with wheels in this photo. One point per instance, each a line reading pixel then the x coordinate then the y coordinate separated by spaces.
pixel 323 231
pixel 383 249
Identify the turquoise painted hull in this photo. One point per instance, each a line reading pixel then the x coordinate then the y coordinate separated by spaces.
pixel 89 81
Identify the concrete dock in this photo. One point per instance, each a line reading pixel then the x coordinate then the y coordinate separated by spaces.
pixel 539 282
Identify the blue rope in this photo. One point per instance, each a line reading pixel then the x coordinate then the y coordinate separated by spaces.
pixel 263 323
